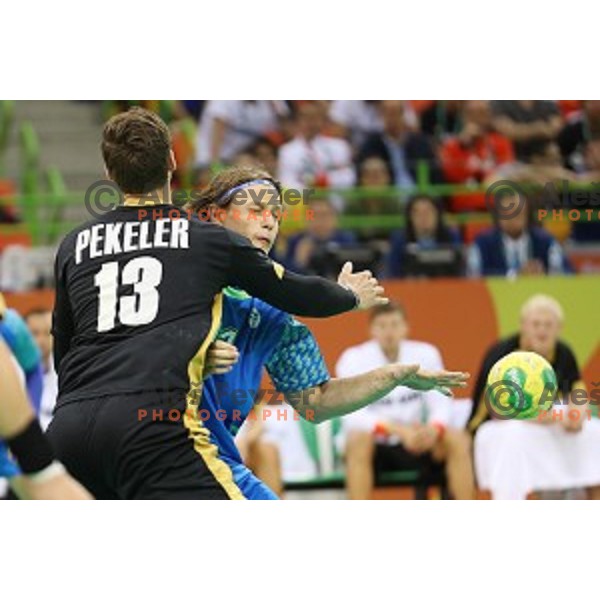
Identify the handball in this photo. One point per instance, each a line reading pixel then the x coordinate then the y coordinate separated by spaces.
pixel 520 386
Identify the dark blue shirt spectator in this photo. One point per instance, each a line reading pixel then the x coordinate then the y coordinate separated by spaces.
pixel 425 229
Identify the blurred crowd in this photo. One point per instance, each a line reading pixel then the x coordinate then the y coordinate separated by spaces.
pixel 390 170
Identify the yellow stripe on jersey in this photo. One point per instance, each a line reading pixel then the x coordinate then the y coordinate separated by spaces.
pixel 191 420
pixel 279 269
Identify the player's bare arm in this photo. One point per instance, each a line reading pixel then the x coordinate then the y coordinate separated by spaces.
pixel 338 397
pixel 44 479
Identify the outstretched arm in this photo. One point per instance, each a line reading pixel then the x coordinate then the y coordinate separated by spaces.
pixel 338 397
pixel 253 271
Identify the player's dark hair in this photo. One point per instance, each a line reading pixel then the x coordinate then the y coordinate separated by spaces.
pixel 386 309
pixel 135 148
pixel 217 192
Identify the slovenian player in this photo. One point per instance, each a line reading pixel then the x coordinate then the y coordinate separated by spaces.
pixel 254 336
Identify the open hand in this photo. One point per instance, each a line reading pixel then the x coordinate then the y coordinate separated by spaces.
pixel 364 285
pixel 414 377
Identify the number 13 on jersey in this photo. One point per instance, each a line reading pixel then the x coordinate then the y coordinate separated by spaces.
pixel 140 308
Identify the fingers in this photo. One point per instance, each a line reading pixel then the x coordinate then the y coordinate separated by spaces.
pixel 446 391
pixel 221 357
pixel 222 345
pixel 448 378
pixel 347 268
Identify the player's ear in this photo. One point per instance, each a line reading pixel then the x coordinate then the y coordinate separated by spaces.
pixel 172 161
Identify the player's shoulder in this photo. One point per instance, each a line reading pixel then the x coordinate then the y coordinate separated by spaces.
pixel 66 247
pixel 265 314
pixel 503 347
pixel 421 349
pixel 359 351
pixel 335 143
pixel 565 351
pixel 294 145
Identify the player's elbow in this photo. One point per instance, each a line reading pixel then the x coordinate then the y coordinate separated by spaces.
pixel 308 404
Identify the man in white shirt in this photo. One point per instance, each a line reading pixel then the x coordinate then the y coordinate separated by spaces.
pixel 312 159
pixel 228 127
pixel 357 119
pixel 406 429
pixel 39 322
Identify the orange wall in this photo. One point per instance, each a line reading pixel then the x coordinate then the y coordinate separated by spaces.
pixel 456 316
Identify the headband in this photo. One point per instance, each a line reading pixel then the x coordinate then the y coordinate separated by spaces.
pixel 243 186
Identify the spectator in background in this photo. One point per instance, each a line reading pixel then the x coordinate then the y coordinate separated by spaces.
pixel 516 246
pixel 358 119
pixel 581 129
pixel 39 322
pixel 440 118
pixel 470 156
pixel 425 228
pixel 401 148
pixel 523 121
pixel 228 127
pixel 262 154
pixel 312 159
pixel 374 174
pixel 406 429
pixel 513 457
pixel 310 250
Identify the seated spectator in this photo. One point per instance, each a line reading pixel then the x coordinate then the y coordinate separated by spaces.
pixel 425 229
pixel 584 230
pixel 514 458
pixel 441 118
pixel 355 119
pixel 310 251
pixel 312 159
pixel 544 166
pixel 591 161
pixel 406 429
pixel 39 322
pixel 280 447
pixel 374 174
pixel 516 246
pixel 523 121
pixel 474 153
pixel 401 148
pixel 228 127
pixel 582 128
pixel 358 119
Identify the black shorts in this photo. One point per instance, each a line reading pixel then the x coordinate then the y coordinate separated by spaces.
pixel 118 453
pixel 397 458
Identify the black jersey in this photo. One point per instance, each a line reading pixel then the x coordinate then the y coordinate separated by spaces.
pixel 563 362
pixel 138 298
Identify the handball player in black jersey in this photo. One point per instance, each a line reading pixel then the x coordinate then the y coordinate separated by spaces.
pixel 138 301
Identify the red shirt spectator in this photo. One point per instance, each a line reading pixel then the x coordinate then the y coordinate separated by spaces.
pixel 474 153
